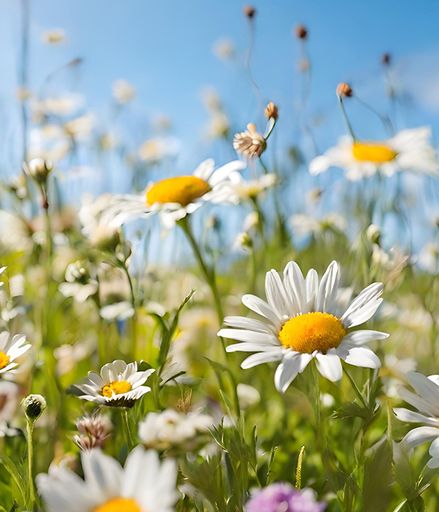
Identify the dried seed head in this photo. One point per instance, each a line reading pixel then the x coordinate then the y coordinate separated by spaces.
pixel 344 90
pixel 249 11
pixel 271 111
pixel 93 431
pixel 33 406
pixel 301 32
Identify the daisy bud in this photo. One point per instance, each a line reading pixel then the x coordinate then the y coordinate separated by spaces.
pixel 244 241
pixel 38 169
pixel 249 11
pixel 344 90
pixel 386 59
pixel 271 111
pixel 301 32
pixel 105 238
pixel 373 234
pixel 33 406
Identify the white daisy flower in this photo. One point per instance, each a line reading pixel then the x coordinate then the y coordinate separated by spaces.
pixel 143 485
pixel 301 322
pixel 426 401
pixel 409 150
pixel 174 198
pixel 118 385
pixel 170 428
pixel 11 348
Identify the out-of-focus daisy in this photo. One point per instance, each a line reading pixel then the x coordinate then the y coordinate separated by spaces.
pixel 224 49
pixel 170 428
pixel 154 150
pixel 123 91
pixel 80 127
pixel 143 485
pixel 118 385
pixel 426 401
pixel 9 396
pixel 302 321
pixel 92 431
pixel 79 283
pixel 54 36
pixel 248 189
pixel 283 497
pixel 11 348
pixel 174 198
pixel 308 225
pixel 409 150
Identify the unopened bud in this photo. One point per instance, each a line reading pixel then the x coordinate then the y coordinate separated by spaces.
pixel 38 169
pixel 301 32
pixel 105 238
pixel 249 11
pixel 386 59
pixel 244 241
pixel 271 111
pixel 344 90
pixel 373 234
pixel 33 406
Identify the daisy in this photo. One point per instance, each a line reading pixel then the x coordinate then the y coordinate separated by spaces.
pixel 118 385
pixel 175 198
pixel 170 428
pixel 408 150
pixel 143 485
pixel 301 322
pixel 11 348
pixel 426 401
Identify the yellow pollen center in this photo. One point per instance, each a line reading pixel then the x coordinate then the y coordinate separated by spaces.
pixel 4 360
pixel 116 388
pixel 312 331
pixel 375 152
pixel 181 189
pixel 119 505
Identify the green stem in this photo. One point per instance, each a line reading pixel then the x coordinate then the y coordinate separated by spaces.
pixel 134 339
pixel 126 424
pixel 30 456
pixel 355 388
pixel 346 118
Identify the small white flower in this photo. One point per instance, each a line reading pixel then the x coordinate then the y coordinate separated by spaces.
pixel 11 348
pixel 154 150
pixel 248 189
pixel 54 36
pixel 302 321
pixel 409 150
pixel 144 484
pixel 123 91
pixel 304 225
pixel 175 198
pixel 118 385
pixel 426 401
pixel 170 428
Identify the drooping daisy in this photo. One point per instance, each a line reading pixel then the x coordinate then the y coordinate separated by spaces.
pixel 143 485
pixel 11 348
pixel 426 401
pixel 409 150
pixel 118 385
pixel 301 322
pixel 174 198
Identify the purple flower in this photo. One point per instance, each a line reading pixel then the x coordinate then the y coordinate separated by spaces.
pixel 284 498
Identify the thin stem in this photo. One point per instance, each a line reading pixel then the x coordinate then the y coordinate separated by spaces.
pixel 134 339
pixel 355 388
pixel 30 456
pixel 346 118
pixel 126 425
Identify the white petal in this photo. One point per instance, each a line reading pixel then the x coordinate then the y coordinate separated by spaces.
pixel 294 283
pixel 260 358
pixel 276 294
pixel 364 336
pixel 287 371
pixel 251 324
pixel 419 436
pixel 260 307
pixel 360 356
pixel 251 336
pixel 364 306
pixel 414 417
pixel 329 366
pixel 328 288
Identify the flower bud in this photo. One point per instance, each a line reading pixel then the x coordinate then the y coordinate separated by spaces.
pixel 33 406
pixel 373 234
pixel 301 32
pixel 38 169
pixel 344 90
pixel 249 11
pixel 271 111
pixel 386 59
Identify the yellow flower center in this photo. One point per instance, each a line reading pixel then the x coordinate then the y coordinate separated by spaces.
pixel 116 388
pixel 119 505
pixel 4 360
pixel 375 152
pixel 181 189
pixel 312 331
